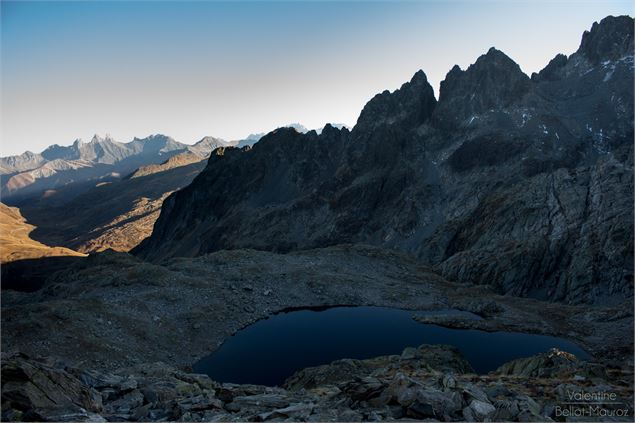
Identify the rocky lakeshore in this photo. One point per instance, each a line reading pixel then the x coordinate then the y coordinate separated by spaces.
pixel 112 310
pixel 114 316
pixel 429 383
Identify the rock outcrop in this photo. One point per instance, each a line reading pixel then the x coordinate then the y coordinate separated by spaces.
pixel 521 184
pixel 402 387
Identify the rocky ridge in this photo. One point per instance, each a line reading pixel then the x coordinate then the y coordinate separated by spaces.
pixel 519 183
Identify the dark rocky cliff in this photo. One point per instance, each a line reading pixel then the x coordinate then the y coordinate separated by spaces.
pixel 525 184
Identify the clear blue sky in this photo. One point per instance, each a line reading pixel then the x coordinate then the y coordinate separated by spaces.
pixel 226 69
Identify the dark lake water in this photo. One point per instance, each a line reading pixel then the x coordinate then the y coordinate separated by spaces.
pixel 271 350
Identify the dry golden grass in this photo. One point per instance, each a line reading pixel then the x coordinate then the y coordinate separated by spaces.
pixel 15 243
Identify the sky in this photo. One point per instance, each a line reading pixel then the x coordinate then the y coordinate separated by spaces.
pixel 227 69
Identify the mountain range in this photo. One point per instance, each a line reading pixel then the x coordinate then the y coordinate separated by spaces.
pixel 115 189
pixel 502 206
pixel 29 176
pixel 516 182
pixel 83 165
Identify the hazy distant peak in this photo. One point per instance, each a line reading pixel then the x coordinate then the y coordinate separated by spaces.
pixel 207 144
pixel 208 139
pixel 97 139
pixel 298 127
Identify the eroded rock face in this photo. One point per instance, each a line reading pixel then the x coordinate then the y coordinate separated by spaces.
pixel 522 184
pixel 411 105
pixel 33 391
pixel 427 382
pixel 608 40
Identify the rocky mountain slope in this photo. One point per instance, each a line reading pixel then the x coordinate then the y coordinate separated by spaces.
pixel 179 160
pixel 82 165
pixel 15 243
pixel 115 215
pixel 524 184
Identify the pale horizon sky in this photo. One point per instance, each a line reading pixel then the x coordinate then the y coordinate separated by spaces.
pixel 227 69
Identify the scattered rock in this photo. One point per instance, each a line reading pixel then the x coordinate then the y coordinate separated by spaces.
pixel 403 387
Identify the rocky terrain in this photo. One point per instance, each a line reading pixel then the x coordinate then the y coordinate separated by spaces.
pixel 430 383
pixel 112 310
pixel 113 329
pixel 15 242
pixel 179 160
pixel 507 200
pixel 523 184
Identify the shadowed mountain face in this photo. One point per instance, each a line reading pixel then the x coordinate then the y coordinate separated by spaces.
pixel 524 184
pixel 76 168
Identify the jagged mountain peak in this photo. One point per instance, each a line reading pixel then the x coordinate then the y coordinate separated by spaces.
pixel 98 139
pixel 410 105
pixel 298 127
pixel 154 139
pixel 206 145
pixel 331 129
pixel 492 82
pixel 610 39
pixel 550 72
pixel 419 78
pixel 494 63
pixel 608 44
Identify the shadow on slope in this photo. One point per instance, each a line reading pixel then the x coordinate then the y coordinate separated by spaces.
pixel 94 220
pixel 29 275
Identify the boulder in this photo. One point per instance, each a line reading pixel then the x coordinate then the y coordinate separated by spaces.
pixel 35 390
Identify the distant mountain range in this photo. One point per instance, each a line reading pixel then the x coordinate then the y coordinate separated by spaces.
pixel 112 215
pixel 82 165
